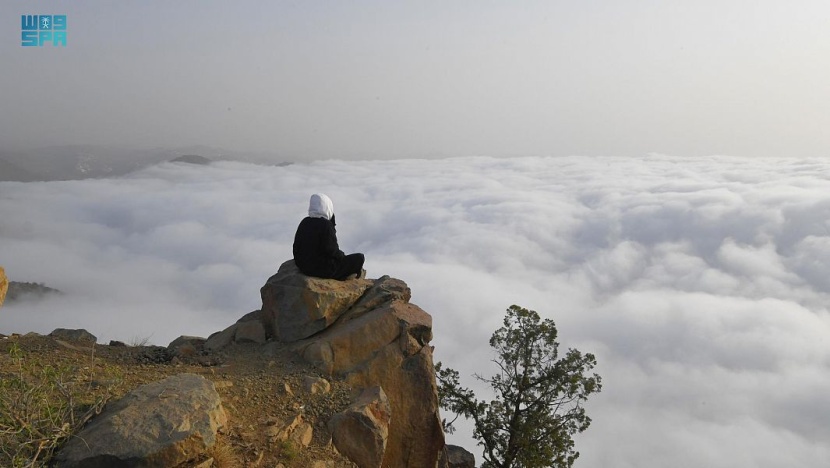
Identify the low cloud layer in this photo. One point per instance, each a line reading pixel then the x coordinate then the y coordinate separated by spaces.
pixel 700 284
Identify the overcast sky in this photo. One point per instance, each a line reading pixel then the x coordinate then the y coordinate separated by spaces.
pixel 380 79
pixel 701 284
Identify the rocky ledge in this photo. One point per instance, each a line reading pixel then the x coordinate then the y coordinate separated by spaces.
pixel 363 334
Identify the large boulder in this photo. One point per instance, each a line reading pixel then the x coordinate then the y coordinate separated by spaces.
pixel 361 431
pixel 4 285
pixel 164 423
pixel 295 306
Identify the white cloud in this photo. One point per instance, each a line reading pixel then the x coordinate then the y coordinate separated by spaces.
pixel 700 284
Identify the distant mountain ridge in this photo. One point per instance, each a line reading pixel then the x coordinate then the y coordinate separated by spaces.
pixel 75 162
pixel 192 159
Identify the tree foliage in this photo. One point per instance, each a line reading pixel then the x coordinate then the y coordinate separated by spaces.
pixel 539 396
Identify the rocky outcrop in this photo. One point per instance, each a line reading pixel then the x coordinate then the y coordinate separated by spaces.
pixel 4 285
pixel 165 423
pixel 367 333
pixel 361 432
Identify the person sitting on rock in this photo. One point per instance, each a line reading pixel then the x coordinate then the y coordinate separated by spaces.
pixel 316 252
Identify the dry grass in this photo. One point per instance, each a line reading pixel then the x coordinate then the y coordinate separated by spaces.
pixel 224 455
pixel 44 403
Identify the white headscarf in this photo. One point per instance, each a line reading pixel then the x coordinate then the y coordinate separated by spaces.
pixel 320 206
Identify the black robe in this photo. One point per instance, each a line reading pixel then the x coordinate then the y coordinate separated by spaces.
pixel 316 252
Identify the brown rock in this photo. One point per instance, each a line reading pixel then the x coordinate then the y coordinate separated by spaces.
pixel 302 435
pixel 221 339
pixel 349 345
pixel 295 306
pixel 163 423
pixel 194 341
pixel 361 432
pixel 250 316
pixel 79 335
pixel 4 285
pixel 295 429
pixel 388 347
pixel 251 331
pixel 416 436
pixel 457 457
pixel 316 385
pixel 365 332
pixel 384 290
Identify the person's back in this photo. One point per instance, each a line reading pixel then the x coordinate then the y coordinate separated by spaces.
pixel 316 252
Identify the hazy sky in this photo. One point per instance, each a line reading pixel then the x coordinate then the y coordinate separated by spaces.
pixel 701 284
pixel 379 79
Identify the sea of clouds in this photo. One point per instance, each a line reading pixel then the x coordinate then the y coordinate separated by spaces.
pixel 701 284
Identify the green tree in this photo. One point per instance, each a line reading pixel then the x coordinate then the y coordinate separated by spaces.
pixel 539 396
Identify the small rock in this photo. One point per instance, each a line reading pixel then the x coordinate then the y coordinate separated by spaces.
pixel 195 341
pixel 278 430
pixel 302 434
pixel 80 335
pixel 457 457
pixel 155 355
pixel 315 385
pixel 222 384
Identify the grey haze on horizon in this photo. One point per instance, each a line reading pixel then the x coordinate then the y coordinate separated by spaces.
pixel 377 79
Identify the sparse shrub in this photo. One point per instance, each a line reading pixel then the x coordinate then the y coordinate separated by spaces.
pixel 138 342
pixel 287 450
